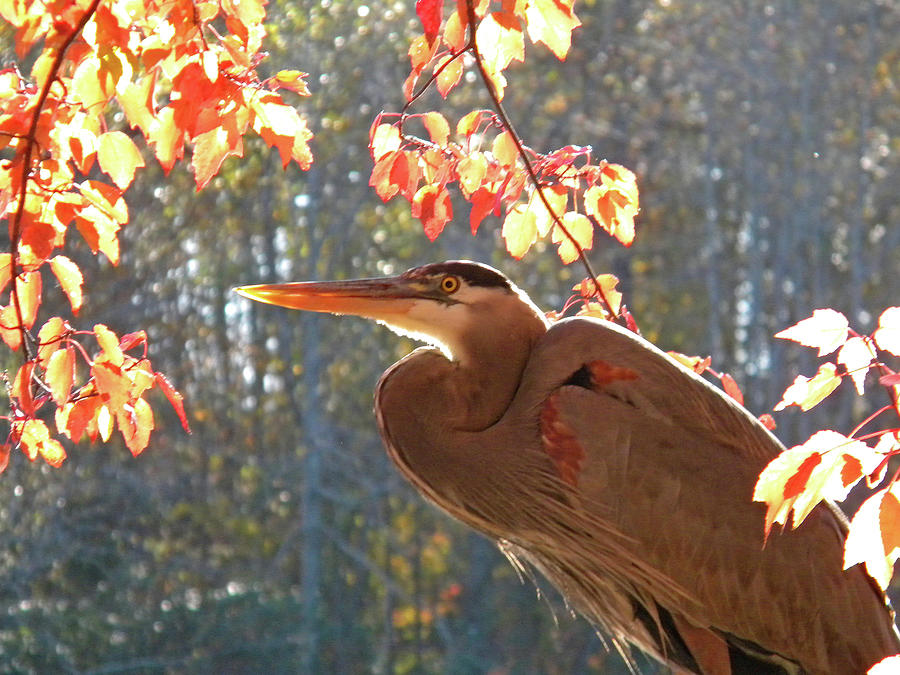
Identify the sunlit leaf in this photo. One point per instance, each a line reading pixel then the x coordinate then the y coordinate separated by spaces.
pixel 557 196
pixel 551 22
pixel 69 277
pixel 451 70
pixel 887 336
pixel 119 157
pixel 500 41
pixel 809 392
pixel 431 204
pixel 504 149
pixel 385 139
pixel 855 355
pixel 174 397
pixel 60 374
pixel 430 13
pixel 437 127
pixel 519 231
pixel 826 466
pixel 580 236
pixel 874 536
pixel 36 441
pixel 825 330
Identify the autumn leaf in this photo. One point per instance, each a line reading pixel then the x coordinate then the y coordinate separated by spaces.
pixel 874 535
pixel 431 205
pixel 825 330
pixel 557 196
pixel 28 286
pixel 50 337
pixel 698 364
pixel 60 374
pixel 437 127
pixel 809 392
pixel 856 355
pixel 519 231
pixel 802 476
pixel 210 150
pixel 731 388
pixel 36 441
pixel 119 157
pixel 174 397
pixel 292 80
pixel 471 171
pixel 449 71
pixel 483 201
pixel 504 149
pixel 579 229
pixel 500 41
pixel 887 336
pixel 430 13
pixel 552 22
pixel 385 139
pixel 69 277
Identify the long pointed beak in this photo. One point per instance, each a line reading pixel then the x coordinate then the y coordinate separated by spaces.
pixel 370 298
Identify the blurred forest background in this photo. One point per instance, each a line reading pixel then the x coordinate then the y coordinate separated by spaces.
pixel 277 538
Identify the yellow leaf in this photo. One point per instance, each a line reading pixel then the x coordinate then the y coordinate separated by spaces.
pixel 119 157
pixel 109 345
pixel 504 149
pixel 500 41
pixel 437 127
pixel 874 535
pixel 385 139
pixel 471 170
pixel 551 22
pixel 581 230
pixel 808 393
pixel 558 198
pixel 825 330
pixel 60 374
pixel 519 230
pixel 888 334
pixel 69 277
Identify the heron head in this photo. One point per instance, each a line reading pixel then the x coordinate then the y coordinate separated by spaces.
pixel 444 304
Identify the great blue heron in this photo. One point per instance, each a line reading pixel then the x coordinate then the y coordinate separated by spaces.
pixel 622 476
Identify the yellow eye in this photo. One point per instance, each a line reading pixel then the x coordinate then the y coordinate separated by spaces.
pixel 450 284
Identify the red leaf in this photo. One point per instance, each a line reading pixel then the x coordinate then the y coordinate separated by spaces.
pixel 176 399
pixel 22 388
pixel 794 485
pixel 482 204
pixel 767 421
pixel 4 456
pixel 430 13
pixel 889 380
pixel 732 389
pixel 431 205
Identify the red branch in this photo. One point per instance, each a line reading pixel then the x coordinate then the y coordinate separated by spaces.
pixel 30 141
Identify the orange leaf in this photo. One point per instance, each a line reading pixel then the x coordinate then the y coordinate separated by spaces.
pixel 874 536
pixel 22 388
pixel 36 441
pixel 767 421
pixel 455 30
pixel 731 388
pixel 77 418
pixel 119 157
pixel 519 231
pixel 113 386
pixel 167 139
pixel 9 327
pixel 800 477
pixel 70 279
pixel 60 374
pixel 470 122
pixel 4 456
pixel 137 427
pixel 825 330
pixel 471 171
pixel 293 80
pixel 383 175
pixel 175 398
pixel 696 363
pixel 431 205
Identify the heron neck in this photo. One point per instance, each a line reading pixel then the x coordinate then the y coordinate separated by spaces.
pixel 488 369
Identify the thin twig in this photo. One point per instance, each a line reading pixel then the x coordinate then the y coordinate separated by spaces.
pixel 30 139
pixel 529 168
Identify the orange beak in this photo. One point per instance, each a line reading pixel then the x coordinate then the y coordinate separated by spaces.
pixel 377 299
